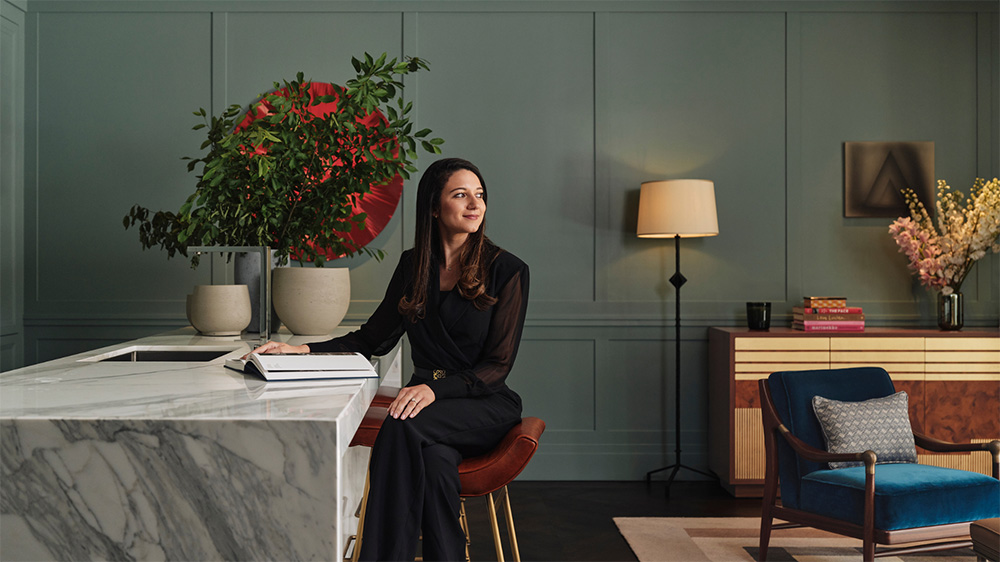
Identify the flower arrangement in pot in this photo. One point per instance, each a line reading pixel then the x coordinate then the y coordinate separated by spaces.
pixel 941 252
pixel 292 170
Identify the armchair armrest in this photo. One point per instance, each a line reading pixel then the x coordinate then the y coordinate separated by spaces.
pixel 937 445
pixel 818 455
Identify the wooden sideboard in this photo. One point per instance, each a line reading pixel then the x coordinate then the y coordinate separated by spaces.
pixel 952 379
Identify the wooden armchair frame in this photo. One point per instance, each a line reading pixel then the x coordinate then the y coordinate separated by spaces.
pixel 955 535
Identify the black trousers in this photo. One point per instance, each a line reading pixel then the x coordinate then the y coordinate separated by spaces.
pixel 414 485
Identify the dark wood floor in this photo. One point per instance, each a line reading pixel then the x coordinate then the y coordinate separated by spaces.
pixel 572 520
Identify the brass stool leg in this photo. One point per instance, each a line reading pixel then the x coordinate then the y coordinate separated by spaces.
pixel 496 527
pixel 464 521
pixel 510 524
pixel 356 553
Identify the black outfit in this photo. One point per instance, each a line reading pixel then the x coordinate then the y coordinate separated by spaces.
pixel 414 465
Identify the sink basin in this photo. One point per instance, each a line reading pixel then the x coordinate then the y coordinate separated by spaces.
pixel 152 353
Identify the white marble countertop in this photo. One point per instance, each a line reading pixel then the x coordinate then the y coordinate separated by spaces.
pixel 178 460
pixel 83 387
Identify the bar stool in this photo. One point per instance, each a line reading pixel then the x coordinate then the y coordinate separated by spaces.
pixel 479 476
pixel 483 475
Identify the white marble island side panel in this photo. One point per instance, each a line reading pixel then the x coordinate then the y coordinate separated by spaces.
pixel 176 461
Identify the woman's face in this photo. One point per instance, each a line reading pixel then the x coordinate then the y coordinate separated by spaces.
pixel 462 207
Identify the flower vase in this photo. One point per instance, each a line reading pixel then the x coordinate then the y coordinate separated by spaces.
pixel 950 311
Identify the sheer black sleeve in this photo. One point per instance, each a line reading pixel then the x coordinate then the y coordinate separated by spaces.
pixel 500 348
pixel 383 329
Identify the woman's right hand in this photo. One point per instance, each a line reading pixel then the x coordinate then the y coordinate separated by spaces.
pixel 279 347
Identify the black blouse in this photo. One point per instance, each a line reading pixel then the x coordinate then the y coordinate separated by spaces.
pixel 476 348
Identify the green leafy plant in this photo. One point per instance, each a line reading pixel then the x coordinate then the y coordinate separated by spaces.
pixel 277 175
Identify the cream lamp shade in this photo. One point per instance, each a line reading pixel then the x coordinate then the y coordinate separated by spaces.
pixel 684 208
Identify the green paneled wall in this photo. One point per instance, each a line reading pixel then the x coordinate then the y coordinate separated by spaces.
pixel 111 96
pixel 567 107
pixel 708 102
pixel 514 92
pixel 912 76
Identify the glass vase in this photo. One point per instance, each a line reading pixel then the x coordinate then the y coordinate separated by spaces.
pixel 950 311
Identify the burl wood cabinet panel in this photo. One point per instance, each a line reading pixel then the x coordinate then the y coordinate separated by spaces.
pixel 952 379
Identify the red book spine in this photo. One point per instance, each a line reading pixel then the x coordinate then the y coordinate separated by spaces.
pixel 847 310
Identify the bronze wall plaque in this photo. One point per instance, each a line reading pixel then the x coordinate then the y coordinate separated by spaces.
pixel 876 172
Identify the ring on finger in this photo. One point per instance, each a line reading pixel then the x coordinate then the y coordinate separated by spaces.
pixel 414 400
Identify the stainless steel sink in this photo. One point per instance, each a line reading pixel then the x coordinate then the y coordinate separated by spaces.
pixel 197 356
pixel 164 353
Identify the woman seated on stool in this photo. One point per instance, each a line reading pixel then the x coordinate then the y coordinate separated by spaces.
pixel 461 300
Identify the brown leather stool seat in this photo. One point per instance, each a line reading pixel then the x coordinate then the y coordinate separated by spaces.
pixel 385 395
pixel 370 424
pixel 985 535
pixel 483 475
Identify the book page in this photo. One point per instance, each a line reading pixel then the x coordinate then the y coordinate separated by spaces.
pixel 302 362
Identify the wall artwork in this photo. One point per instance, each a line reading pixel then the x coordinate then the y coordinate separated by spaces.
pixel 876 172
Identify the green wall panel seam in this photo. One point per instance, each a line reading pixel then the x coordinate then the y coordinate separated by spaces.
pixel 601 188
pixel 595 153
pixel 793 158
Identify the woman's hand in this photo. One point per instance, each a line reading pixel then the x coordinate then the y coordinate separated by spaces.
pixel 279 347
pixel 410 400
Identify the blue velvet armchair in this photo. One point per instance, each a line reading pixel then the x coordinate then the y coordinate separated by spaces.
pixel 882 504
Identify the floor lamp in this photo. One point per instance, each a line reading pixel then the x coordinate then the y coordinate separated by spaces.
pixel 677 209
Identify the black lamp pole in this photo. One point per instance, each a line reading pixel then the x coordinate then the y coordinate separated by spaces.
pixel 677 280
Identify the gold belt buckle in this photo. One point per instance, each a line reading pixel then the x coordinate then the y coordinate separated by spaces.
pixel 438 374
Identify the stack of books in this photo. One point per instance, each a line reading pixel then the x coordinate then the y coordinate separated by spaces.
pixel 827 314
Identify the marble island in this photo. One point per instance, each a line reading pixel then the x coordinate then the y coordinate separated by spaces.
pixel 178 460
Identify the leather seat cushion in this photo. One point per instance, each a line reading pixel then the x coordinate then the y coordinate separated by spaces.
pixel 494 470
pixel 986 538
pixel 370 424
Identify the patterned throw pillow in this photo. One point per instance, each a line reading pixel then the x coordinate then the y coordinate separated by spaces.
pixel 879 424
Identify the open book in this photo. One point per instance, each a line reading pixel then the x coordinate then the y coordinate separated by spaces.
pixel 295 366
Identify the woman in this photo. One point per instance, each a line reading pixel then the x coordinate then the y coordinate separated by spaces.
pixel 461 300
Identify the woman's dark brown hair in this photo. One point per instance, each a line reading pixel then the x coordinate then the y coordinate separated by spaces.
pixel 477 254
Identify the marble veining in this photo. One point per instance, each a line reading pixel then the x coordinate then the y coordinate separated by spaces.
pixel 170 490
pixel 176 461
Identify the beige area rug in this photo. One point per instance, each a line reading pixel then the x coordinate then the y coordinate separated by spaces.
pixel 725 539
